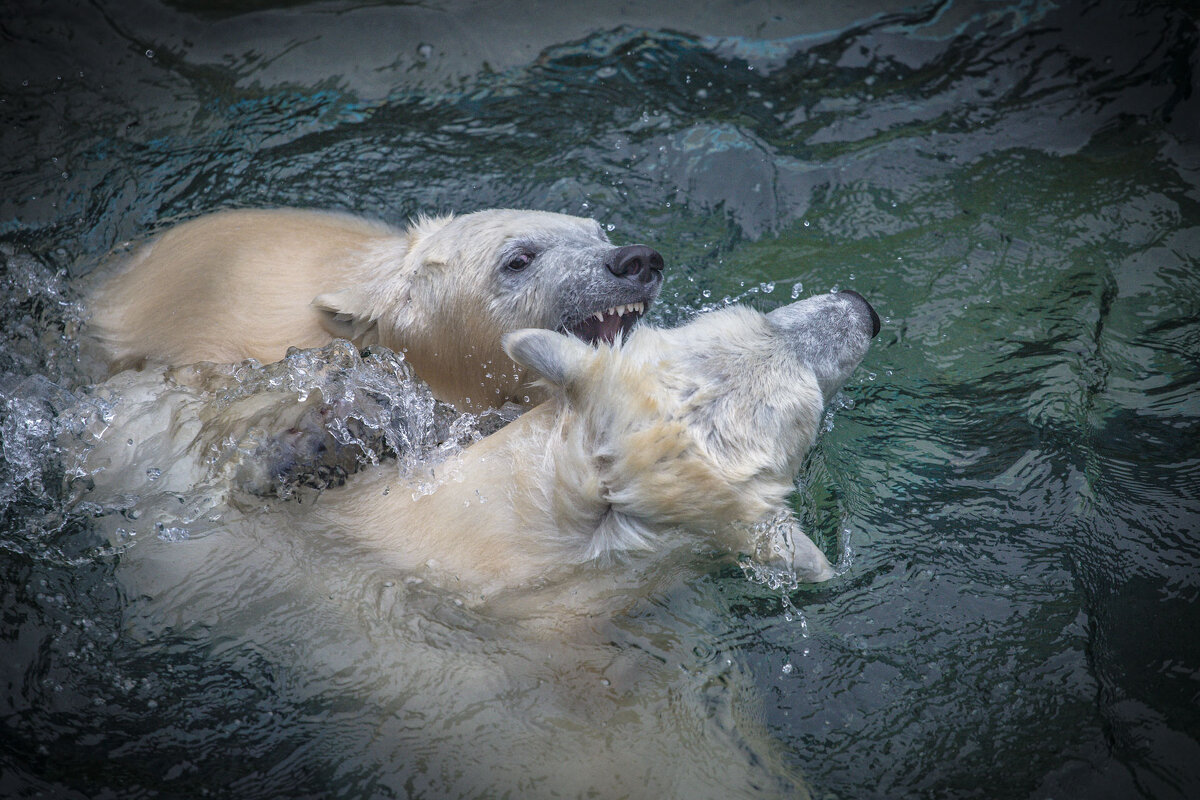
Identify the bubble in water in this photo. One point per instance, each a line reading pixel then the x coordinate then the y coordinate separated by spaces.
pixel 424 50
pixel 797 288
pixel 170 533
pixel 787 668
pixel 149 54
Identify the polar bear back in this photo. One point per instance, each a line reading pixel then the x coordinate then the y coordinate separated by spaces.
pixel 230 286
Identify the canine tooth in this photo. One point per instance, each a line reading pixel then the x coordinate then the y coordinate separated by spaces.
pixel 599 315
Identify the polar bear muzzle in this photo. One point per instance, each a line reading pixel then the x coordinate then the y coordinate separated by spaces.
pixel 633 275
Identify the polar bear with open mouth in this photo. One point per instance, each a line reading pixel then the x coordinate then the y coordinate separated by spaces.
pixel 251 283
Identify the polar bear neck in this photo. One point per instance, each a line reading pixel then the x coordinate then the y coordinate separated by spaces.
pixel 511 510
pixel 488 522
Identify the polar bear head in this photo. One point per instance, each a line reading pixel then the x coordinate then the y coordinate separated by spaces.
pixel 448 292
pixel 702 426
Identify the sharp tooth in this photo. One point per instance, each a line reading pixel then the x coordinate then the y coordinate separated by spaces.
pixel 599 315
pixel 637 307
pixel 624 310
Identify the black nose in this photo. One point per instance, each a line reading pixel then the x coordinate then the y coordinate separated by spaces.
pixel 635 261
pixel 874 316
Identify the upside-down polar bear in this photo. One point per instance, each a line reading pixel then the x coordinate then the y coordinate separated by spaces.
pixel 681 438
pixel 252 283
pixel 699 428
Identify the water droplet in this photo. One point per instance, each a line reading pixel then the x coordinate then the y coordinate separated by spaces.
pixel 424 50
pixel 787 668
pixel 797 288
pixel 154 473
pixel 149 54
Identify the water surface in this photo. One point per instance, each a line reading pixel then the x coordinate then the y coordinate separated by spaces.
pixel 1010 481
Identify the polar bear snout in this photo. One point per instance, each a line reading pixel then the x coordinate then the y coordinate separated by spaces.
pixel 871 309
pixel 636 262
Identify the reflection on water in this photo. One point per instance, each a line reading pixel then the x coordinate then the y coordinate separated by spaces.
pixel 1014 474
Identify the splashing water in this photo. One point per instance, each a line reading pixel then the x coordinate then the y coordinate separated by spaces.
pixel 1012 184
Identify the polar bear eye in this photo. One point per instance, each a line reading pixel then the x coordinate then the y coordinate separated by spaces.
pixel 519 262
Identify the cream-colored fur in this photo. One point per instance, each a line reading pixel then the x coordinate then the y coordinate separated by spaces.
pixel 503 624
pixel 699 428
pixel 250 284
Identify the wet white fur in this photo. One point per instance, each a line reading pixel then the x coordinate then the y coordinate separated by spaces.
pixel 252 283
pixel 700 428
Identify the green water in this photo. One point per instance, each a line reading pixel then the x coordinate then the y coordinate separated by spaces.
pixel 1012 477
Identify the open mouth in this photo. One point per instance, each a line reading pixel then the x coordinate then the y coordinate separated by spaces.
pixel 606 325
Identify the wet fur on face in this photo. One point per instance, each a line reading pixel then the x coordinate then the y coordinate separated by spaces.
pixel 250 284
pixel 700 428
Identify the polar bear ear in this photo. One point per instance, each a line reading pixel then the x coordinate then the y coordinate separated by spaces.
pixel 343 313
pixel 553 356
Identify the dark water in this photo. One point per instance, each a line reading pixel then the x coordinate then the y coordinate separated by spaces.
pixel 1012 477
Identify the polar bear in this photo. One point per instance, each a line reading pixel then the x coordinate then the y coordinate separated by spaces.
pixel 252 283
pixel 699 428
pixel 495 623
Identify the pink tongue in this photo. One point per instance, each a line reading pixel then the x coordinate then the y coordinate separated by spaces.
pixel 594 330
pixel 607 330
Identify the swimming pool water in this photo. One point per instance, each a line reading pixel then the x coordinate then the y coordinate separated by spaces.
pixel 1011 478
